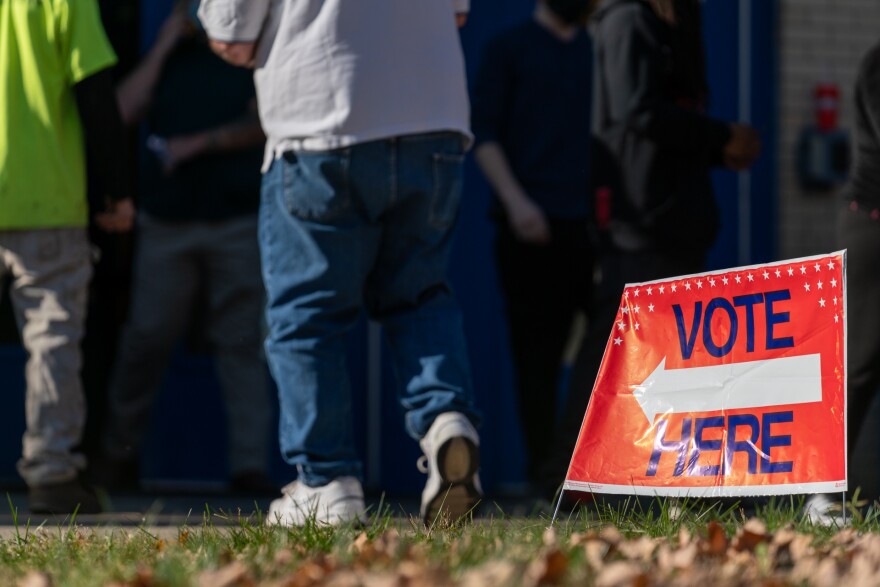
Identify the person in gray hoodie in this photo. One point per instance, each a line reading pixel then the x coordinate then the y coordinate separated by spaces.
pixel 650 119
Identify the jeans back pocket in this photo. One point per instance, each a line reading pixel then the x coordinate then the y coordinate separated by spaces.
pixel 316 184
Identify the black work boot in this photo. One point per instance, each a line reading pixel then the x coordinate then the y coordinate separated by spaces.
pixel 63 498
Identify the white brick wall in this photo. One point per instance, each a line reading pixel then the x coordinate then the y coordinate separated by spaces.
pixel 820 40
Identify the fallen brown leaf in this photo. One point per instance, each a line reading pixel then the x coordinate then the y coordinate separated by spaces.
pixel 597 552
pixel 35 579
pixel 383 579
pixel 549 537
pixel 716 540
pixel 346 578
pixel 549 569
pixel 307 574
pixel 684 536
pixel 611 535
pixel 641 549
pixel 801 547
pixel 622 574
pixel 234 574
pixel 827 574
pixel 284 557
pixel 680 558
pixel 753 533
pixel 413 574
pixel 143 577
pixel 578 539
pixel 495 573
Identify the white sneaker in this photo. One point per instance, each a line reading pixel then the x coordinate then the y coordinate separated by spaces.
pixel 338 502
pixel 821 510
pixel 451 461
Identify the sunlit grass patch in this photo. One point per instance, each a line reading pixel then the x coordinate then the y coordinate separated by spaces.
pixel 629 542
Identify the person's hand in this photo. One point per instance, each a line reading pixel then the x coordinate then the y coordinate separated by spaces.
pixel 118 216
pixel 240 54
pixel 743 147
pixel 461 19
pixel 528 222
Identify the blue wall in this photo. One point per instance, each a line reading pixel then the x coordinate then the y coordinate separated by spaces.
pixel 186 441
pixel 721 19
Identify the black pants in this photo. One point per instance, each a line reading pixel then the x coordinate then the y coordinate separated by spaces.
pixel 860 234
pixel 544 286
pixel 617 269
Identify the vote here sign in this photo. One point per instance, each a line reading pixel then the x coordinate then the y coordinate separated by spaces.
pixel 728 383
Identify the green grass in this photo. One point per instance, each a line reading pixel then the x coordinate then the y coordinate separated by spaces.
pixel 76 556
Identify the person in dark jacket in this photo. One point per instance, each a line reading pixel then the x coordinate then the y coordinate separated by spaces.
pixel 650 112
pixel 650 116
pixel 859 233
pixel 531 118
pixel 196 245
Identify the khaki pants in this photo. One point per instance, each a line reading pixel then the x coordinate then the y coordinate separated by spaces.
pixel 50 270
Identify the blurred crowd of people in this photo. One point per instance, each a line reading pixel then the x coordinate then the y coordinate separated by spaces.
pixel 589 121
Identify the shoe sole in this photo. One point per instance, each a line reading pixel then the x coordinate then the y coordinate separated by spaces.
pixel 458 461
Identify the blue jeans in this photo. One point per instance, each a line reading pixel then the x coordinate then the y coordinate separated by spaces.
pixel 368 226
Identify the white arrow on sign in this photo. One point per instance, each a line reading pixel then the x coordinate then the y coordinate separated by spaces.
pixel 754 384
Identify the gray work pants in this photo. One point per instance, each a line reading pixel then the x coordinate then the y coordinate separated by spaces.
pixel 173 260
pixel 50 270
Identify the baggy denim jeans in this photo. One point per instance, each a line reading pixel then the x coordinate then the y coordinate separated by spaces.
pixel 369 226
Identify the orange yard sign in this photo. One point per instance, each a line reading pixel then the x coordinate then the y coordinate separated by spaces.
pixel 729 383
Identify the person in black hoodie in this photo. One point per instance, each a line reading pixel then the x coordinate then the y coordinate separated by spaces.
pixel 531 118
pixel 650 115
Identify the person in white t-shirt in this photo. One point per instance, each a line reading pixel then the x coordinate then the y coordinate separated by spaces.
pixel 365 108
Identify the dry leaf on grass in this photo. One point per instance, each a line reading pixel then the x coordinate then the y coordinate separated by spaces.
pixel 377 552
pixel 597 552
pixel 578 539
pixel 35 579
pixel 495 573
pixel 669 559
pixel 346 578
pixel 611 535
pixel 862 572
pixel 753 533
pixel 413 574
pixel 641 549
pixel 284 557
pixel 827 574
pixel 684 537
pixel 234 574
pixel 143 577
pixel 716 540
pixel 309 573
pixel 622 574
pixel 549 569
